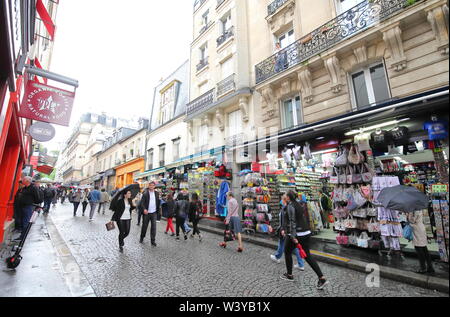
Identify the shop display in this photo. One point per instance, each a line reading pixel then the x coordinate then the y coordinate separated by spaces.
pixel 440 211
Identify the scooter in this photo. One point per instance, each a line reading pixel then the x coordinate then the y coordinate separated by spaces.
pixel 14 261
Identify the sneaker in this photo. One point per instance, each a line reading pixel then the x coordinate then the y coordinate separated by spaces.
pixel 172 235
pixel 185 237
pixel 321 284
pixel 192 236
pixel 274 258
pixel 287 277
pixel 298 267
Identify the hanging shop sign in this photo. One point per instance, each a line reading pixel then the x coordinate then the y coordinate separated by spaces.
pixel 42 132
pixel 47 104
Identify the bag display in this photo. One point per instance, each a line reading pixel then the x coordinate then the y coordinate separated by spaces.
pixel 373 226
pixel 363 240
pixel 342 239
pixel 350 223
pixel 359 199
pixel 342 176
pixel 374 244
pixel 353 239
pixel 366 173
pixel 354 156
pixel 342 159
pixel 362 224
pixel 334 178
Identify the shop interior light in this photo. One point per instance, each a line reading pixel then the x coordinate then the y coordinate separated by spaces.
pixel 377 126
pixel 320 138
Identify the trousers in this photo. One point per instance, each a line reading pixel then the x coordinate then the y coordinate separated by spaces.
pixel 124 230
pixel 180 224
pixel 146 220
pixel 289 248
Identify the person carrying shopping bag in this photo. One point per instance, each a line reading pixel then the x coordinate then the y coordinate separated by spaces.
pixel 297 230
pixel 233 220
pixel 280 251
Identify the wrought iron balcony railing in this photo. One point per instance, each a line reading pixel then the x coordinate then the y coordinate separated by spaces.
pixel 344 26
pixel 198 4
pixel 202 64
pixel 201 103
pixel 274 6
pixel 225 36
pixel 226 85
pixel 219 3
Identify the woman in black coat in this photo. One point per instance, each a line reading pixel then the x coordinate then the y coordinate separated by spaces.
pixel 122 216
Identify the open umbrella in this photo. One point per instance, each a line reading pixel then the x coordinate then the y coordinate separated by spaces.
pixel 403 198
pixel 134 188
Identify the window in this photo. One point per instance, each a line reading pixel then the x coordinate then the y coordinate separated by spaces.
pixel 202 89
pixel 162 155
pixel 150 159
pixel 291 111
pixel 345 5
pixel 176 149
pixel 370 85
pixel 202 135
pixel 204 52
pixel 286 39
pixel 110 161
pixel 234 123
pixel 227 68
pixel 226 23
pixel 132 150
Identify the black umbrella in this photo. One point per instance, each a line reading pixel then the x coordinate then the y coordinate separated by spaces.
pixel 134 188
pixel 403 198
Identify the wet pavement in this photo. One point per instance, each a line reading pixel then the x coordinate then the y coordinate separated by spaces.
pixel 198 269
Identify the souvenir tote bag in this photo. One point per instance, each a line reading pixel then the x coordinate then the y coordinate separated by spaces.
pixel 374 244
pixel 357 177
pixel 342 176
pixel 342 239
pixel 359 199
pixel 350 173
pixel 350 223
pixel 366 191
pixel 363 240
pixel 342 159
pixel 353 239
pixel 366 173
pixel 373 226
pixel 354 156
pixel 334 178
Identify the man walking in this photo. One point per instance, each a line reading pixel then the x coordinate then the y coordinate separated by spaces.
pixel 29 196
pixel 49 194
pixel 103 200
pixel 151 204
pixel 94 199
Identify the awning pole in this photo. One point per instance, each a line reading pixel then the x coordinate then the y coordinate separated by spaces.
pixel 52 76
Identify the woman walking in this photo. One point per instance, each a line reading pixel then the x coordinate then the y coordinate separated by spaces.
pixel 420 242
pixel 233 221
pixel 76 199
pixel 170 209
pixel 297 230
pixel 122 216
pixel 85 200
pixel 281 244
pixel 181 210
pixel 195 215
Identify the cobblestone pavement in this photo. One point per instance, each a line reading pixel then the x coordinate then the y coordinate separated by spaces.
pixel 197 269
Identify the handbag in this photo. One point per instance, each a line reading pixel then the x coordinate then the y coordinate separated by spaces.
pixel 330 218
pixel 373 226
pixel 372 211
pixel 342 239
pixel 350 173
pixel 362 224
pixel 334 178
pixel 350 222
pixel 228 235
pixel 408 233
pixel 351 204
pixel 360 213
pixel 354 156
pixel 363 240
pixel 110 226
pixel 342 159
pixel 342 176
pixel 374 244
pixel 359 199
pixel 357 177
pixel 366 173
pixel 338 194
pixel 353 239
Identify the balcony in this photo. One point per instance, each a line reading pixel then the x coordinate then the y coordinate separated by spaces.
pixel 343 27
pixel 198 4
pixel 202 64
pixel 274 6
pixel 219 3
pixel 201 103
pixel 225 86
pixel 225 36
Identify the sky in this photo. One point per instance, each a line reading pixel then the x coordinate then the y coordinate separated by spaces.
pixel 118 51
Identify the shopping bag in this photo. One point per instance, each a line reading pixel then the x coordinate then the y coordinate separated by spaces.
pixel 373 226
pixel 301 251
pixel 363 241
pixel 350 223
pixel 408 233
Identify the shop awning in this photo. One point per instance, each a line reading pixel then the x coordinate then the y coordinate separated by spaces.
pixel 150 173
pixel 45 169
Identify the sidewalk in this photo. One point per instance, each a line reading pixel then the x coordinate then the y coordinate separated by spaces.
pixel 47 268
pixel 396 268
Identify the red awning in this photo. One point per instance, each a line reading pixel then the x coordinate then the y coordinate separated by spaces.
pixel 46 18
pixel 45 169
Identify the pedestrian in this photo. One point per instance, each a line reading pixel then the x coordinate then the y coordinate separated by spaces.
pixel 297 230
pixel 181 210
pixel 104 200
pixel 233 221
pixel 122 216
pixel 326 206
pixel 85 200
pixel 55 198
pixel 140 210
pixel 170 209
pixel 151 205
pixel 94 199
pixel 49 194
pixel 195 215
pixel 420 242
pixel 63 196
pixel 28 199
pixel 281 243
pixel 17 209
pixel 76 199
pixel 188 229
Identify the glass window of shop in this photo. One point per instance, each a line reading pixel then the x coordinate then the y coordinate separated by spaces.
pixel 291 111
pixel 370 85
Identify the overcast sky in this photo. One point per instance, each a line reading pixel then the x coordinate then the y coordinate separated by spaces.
pixel 118 50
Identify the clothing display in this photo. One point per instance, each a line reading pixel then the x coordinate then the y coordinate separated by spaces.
pixel 400 136
pixel 437 130
pixel 380 140
pixel 363 141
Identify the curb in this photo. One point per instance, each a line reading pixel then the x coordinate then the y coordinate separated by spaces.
pixel 411 278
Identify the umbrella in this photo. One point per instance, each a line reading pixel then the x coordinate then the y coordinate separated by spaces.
pixel 134 188
pixel 245 172
pixel 403 198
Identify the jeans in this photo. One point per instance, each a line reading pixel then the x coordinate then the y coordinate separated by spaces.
pixel 92 211
pixel 27 212
pixel 75 207
pixel 124 230
pixel 180 222
pixel 147 219
pixel 47 203
pixel 195 226
pixel 290 246
pixel 280 252
pixel 84 204
pixel 100 205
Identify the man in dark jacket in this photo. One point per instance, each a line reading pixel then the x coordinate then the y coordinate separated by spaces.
pixel 151 205
pixel 29 196
pixel 49 194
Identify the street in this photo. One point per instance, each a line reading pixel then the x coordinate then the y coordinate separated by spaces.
pixel 197 269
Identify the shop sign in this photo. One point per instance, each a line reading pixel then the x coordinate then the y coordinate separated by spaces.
pixel 47 104
pixel 42 132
